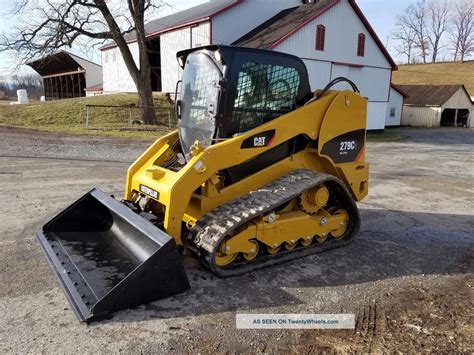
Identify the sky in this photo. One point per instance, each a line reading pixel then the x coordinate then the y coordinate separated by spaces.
pixel 380 13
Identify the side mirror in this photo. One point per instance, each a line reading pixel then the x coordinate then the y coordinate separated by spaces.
pixel 178 108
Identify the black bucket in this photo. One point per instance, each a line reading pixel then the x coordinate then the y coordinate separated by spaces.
pixel 106 257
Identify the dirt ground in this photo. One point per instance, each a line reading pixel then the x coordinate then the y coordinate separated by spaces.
pixel 408 278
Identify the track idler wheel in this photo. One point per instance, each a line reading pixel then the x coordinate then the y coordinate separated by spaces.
pixel 222 258
pixel 338 233
pixel 253 252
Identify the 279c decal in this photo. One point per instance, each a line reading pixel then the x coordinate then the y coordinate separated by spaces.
pixel 348 145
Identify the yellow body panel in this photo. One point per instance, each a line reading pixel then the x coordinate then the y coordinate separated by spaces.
pixel 321 120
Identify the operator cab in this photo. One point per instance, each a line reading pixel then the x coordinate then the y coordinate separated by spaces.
pixel 226 91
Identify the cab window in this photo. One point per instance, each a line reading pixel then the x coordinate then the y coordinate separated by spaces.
pixel 264 92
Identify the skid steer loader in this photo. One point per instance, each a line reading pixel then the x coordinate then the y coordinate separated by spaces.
pixel 261 170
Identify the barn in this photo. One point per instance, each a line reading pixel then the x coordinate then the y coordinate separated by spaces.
pixel 437 105
pixel 212 22
pixel 332 37
pixel 66 75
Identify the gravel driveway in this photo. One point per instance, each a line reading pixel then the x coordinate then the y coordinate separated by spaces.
pixel 408 278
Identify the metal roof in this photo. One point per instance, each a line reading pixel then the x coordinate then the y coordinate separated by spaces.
pixel 429 95
pixel 189 16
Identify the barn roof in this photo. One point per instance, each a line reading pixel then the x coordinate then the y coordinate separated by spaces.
pixel 429 95
pixel 196 14
pixel 286 23
pixel 59 62
pixel 270 33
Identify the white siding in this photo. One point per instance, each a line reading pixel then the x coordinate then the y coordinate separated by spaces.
pixel 115 73
pixel 319 73
pixel 415 116
pixel 376 113
pixel 171 43
pixel 342 29
pixel 234 23
pixel 373 83
pixel 395 103
pixel 458 101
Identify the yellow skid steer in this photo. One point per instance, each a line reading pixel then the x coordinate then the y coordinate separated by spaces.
pixel 260 170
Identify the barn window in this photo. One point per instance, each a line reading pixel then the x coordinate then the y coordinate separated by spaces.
pixel 320 37
pixel 361 45
pixel 393 110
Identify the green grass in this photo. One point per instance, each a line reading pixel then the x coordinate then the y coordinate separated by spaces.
pixel 386 136
pixel 449 73
pixel 69 116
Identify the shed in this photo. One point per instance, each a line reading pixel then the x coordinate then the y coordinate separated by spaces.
pixel 94 90
pixel 66 75
pixel 437 105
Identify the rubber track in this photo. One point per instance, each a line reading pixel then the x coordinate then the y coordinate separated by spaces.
pixel 210 231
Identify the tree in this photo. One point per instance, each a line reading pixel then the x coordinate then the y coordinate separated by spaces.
pixel 438 15
pixel 414 20
pixel 405 36
pixel 462 32
pixel 55 24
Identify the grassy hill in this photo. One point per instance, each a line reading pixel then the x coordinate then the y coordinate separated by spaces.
pixel 450 73
pixel 69 115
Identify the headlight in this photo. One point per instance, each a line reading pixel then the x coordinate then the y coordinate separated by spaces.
pixel 181 61
pixel 218 56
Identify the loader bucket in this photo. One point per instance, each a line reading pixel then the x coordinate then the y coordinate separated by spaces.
pixel 106 257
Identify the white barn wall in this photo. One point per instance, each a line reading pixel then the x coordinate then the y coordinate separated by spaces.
pixel 416 116
pixel 376 114
pixel 230 25
pixel 319 73
pixel 373 83
pixel 373 78
pixel 342 29
pixel 171 43
pixel 115 73
pixel 396 102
